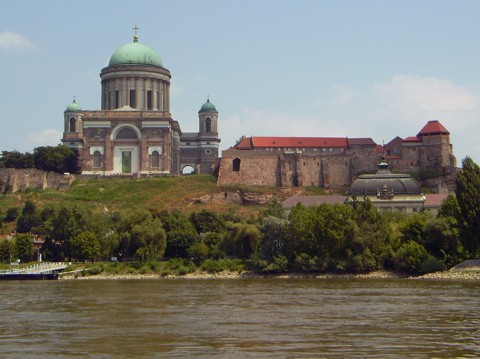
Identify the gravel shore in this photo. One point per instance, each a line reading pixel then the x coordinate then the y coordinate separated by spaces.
pixel 230 275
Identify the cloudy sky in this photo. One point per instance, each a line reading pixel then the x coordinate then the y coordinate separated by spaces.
pixel 375 69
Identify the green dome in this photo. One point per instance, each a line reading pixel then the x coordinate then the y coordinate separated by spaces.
pixel 208 106
pixel 135 53
pixel 73 107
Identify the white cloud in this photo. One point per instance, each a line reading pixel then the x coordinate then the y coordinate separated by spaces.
pixel 12 40
pixel 425 94
pixel 46 137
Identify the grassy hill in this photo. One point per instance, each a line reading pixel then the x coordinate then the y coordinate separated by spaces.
pixel 160 193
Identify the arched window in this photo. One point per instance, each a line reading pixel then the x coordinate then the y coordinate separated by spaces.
pixel 236 164
pixel 155 159
pixel 126 134
pixel 97 159
pixel 72 124
pixel 208 125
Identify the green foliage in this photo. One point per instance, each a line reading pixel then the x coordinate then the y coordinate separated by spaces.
pixel 12 214
pixel 274 238
pixel 198 252
pixel 6 250
pixel 24 247
pixel 150 240
pixel 207 221
pixel 273 208
pixel 15 159
pixel 468 197
pixel 181 233
pixel 242 240
pixel 85 246
pixel 432 264
pixel 410 257
pixel 59 159
pixel 29 219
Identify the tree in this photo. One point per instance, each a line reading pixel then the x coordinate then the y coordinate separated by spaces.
pixel 150 239
pixel 59 159
pixel 15 159
pixel 24 247
pixel 12 214
pixel 207 221
pixel 6 250
pixel 69 221
pixel 28 219
pixel 272 208
pixel 468 197
pixel 85 246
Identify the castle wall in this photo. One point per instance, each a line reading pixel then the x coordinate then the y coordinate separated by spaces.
pixel 19 180
pixel 296 169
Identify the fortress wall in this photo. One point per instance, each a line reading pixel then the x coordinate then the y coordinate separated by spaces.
pixel 256 168
pixel 19 180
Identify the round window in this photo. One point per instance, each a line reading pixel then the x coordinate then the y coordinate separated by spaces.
pixel 208 152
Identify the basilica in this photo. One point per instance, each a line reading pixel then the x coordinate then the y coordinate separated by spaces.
pixel 134 132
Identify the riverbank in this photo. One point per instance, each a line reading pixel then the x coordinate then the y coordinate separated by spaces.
pixel 231 275
pixel 460 272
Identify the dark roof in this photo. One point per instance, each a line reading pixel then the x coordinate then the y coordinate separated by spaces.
pixel 371 185
pixel 308 201
pixel 361 142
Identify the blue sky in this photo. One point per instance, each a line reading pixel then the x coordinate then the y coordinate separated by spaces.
pixel 375 69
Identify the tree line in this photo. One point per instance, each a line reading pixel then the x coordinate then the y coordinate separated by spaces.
pixel 59 159
pixel 339 238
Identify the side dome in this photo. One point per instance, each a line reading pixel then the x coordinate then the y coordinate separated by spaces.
pixel 208 107
pixel 73 107
pixel 371 185
pixel 135 53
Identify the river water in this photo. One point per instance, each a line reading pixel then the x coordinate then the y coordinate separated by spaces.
pixel 240 318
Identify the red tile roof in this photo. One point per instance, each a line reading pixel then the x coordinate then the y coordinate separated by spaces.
pixel 291 142
pixel 433 128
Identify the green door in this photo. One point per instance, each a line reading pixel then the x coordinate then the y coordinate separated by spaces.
pixel 126 162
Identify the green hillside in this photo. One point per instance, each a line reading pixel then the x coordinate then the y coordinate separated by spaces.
pixel 160 193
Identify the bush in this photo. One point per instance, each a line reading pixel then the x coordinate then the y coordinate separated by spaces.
pixel 432 264
pixel 94 270
pixel 410 257
pixel 12 214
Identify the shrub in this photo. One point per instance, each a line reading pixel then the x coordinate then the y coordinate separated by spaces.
pixel 432 264
pixel 410 257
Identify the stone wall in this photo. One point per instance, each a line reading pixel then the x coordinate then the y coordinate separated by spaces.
pixel 260 167
pixel 19 180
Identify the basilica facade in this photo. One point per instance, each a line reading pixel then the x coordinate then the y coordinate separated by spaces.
pixel 134 132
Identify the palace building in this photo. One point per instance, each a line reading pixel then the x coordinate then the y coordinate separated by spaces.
pixel 335 162
pixel 134 132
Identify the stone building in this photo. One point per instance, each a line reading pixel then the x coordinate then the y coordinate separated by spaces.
pixel 134 132
pixel 332 162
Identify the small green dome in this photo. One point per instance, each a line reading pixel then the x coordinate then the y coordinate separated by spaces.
pixel 135 53
pixel 208 106
pixel 73 107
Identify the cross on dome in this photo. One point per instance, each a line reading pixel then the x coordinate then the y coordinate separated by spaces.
pixel 135 36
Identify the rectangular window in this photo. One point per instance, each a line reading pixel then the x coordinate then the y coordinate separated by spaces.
pixel 133 102
pixel 149 100
pixel 117 104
